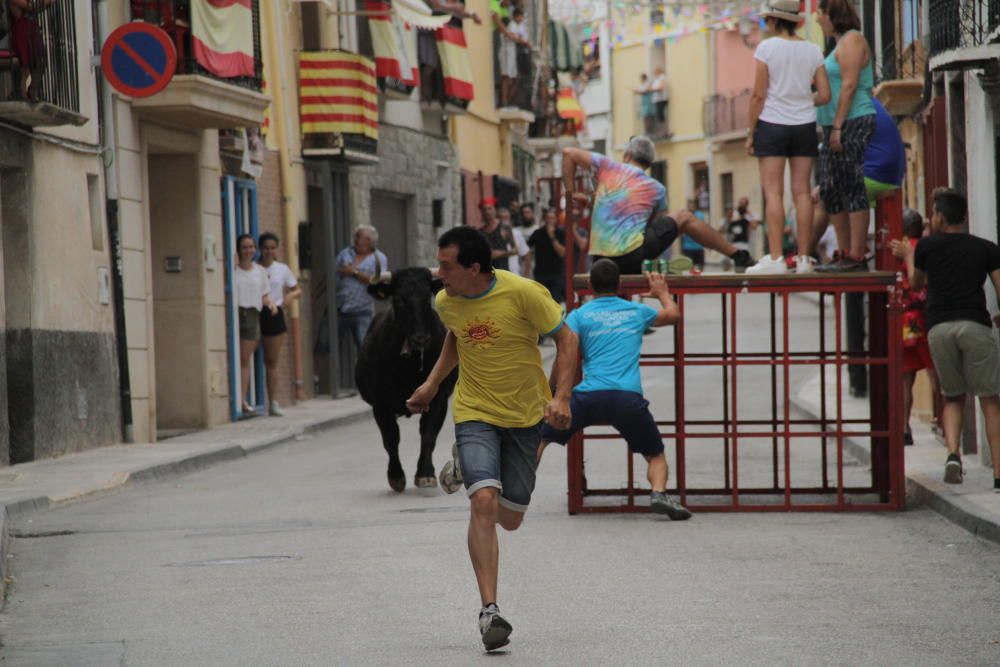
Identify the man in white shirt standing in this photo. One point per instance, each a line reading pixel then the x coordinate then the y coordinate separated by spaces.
pixel 661 96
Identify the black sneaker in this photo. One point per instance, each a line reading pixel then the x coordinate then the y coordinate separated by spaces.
pixel 844 265
pixel 908 439
pixel 660 503
pixel 953 469
pixel 741 261
pixel 494 629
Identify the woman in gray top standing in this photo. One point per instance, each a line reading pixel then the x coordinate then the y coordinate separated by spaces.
pixel 848 124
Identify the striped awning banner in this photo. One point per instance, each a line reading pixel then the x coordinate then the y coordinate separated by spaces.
pixel 455 65
pixel 337 94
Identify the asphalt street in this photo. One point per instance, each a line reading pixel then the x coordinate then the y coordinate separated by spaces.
pixel 302 555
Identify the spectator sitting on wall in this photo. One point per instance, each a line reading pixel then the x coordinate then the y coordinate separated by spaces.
pixel 511 35
pixel 26 42
pixel 357 264
pixel 954 265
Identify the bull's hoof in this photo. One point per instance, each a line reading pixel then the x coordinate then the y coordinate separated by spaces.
pixel 398 484
pixel 425 482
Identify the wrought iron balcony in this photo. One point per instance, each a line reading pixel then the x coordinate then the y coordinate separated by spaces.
pixel 198 97
pixel 54 99
pixel 726 117
pixel 901 78
pixel 959 31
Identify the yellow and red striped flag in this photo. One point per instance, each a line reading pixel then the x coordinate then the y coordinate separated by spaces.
pixel 337 93
pixel 569 107
pixel 455 65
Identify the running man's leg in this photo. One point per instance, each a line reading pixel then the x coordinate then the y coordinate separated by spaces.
pixel 479 455
pixel 518 464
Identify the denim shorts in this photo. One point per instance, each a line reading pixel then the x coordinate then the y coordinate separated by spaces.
pixel 626 411
pixel 501 458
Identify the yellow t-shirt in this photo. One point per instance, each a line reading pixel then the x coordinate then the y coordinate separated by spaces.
pixel 500 376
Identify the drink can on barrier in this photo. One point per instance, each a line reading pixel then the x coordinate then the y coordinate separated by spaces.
pixel 647 265
pixel 663 266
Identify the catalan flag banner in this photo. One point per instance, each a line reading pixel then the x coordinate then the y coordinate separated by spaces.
pixel 569 107
pixel 337 94
pixel 455 65
pixel 222 37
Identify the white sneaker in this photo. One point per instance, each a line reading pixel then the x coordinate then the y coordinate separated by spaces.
pixel 767 265
pixel 276 410
pixel 804 264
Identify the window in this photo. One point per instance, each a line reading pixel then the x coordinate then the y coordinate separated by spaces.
pixel 726 184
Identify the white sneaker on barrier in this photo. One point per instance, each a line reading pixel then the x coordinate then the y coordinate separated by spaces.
pixel 767 266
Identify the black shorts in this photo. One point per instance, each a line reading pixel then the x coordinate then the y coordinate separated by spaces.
pixel 626 411
pixel 774 140
pixel 272 325
pixel 660 234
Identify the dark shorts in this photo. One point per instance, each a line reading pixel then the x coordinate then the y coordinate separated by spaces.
pixel 556 285
pixel 774 140
pixel 249 324
pixel 626 411
pixel 661 232
pixel 500 458
pixel 272 325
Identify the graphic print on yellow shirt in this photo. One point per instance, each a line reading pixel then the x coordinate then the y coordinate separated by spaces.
pixel 500 376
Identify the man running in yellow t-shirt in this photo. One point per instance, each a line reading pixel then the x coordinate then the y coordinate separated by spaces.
pixel 494 319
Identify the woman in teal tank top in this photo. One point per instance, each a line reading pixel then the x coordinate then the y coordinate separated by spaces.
pixel 848 124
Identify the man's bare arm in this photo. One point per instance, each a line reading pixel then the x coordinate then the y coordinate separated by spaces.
pixel 573 158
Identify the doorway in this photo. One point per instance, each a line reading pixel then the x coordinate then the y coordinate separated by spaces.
pixel 390 216
pixel 239 216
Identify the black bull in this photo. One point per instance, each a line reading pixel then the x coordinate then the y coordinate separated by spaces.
pixel 398 353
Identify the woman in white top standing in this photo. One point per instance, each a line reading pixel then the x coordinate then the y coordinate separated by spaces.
pixel 783 127
pixel 252 296
pixel 283 289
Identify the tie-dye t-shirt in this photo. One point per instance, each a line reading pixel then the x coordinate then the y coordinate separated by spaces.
pixel 624 200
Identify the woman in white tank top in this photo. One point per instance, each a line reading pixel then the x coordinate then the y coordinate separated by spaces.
pixel 783 128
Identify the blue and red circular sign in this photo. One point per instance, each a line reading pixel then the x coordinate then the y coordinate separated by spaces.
pixel 138 59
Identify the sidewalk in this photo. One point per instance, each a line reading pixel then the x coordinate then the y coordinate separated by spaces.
pixel 972 505
pixel 33 486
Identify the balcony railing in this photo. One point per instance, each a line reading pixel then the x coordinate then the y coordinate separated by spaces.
pixel 174 16
pixel 651 120
pixel 958 24
pixel 56 66
pixel 726 114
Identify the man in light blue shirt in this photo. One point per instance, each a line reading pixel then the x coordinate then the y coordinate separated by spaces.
pixel 610 330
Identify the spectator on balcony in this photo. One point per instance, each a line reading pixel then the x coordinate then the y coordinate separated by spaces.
pixel 512 34
pixel 647 109
pixel 661 96
pixel 848 121
pixel 26 42
pixel 783 128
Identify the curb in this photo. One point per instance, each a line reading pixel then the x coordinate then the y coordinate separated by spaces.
pixel 922 490
pixel 161 471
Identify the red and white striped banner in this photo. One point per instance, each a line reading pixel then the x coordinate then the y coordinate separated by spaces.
pixel 222 36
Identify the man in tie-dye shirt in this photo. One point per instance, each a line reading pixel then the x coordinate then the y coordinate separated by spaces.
pixel 629 219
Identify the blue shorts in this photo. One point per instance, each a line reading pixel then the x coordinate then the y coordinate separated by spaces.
pixel 626 411
pixel 502 458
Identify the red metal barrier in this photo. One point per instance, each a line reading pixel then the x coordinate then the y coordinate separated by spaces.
pixel 884 489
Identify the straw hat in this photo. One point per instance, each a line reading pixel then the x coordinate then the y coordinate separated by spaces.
pixel 787 10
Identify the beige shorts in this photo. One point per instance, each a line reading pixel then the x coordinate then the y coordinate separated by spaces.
pixel 966 358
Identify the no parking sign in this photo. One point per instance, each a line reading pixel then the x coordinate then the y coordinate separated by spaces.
pixel 138 59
